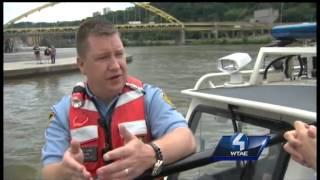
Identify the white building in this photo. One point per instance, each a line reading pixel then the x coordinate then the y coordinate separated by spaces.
pixel 106 10
pixel 268 16
pixel 97 13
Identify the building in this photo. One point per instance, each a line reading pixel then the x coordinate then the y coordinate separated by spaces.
pixel 106 10
pixel 267 16
pixel 97 13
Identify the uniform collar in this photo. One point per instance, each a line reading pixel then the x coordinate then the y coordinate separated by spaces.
pixel 91 95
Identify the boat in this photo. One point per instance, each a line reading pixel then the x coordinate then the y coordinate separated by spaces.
pixel 295 31
pixel 263 101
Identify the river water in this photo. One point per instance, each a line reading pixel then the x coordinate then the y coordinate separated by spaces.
pixel 27 101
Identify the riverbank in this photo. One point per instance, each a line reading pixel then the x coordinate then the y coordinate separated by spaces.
pixel 220 41
pixel 137 43
pixel 233 41
pixel 34 68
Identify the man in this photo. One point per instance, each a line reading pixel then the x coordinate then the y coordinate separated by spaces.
pixel 111 116
pixel 36 50
pixel 47 53
pixel 53 54
pixel 302 144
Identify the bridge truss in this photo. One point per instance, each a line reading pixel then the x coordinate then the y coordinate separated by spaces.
pixel 173 23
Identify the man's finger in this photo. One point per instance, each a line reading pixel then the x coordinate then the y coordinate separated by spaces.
pixel 290 136
pixel 126 134
pixel 297 159
pixel 124 174
pixel 74 147
pixel 111 168
pixel 73 164
pixel 116 154
pixel 86 174
pixel 293 152
pixel 312 131
pixel 300 126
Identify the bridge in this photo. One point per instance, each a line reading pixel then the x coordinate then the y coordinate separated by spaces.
pixel 171 24
pixel 189 26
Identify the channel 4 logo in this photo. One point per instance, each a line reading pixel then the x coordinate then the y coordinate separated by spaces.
pixel 240 147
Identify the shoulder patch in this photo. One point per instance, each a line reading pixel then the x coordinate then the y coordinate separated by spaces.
pixel 167 99
pixel 51 116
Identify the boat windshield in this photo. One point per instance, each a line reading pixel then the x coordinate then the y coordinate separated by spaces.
pixel 210 124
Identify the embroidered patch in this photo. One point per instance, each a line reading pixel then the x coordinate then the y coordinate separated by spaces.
pixel 90 154
pixel 168 100
pixel 51 116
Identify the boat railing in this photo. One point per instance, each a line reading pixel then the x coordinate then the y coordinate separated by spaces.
pixel 307 52
pixel 207 79
pixel 210 79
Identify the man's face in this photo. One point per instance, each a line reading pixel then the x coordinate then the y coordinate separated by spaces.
pixel 104 65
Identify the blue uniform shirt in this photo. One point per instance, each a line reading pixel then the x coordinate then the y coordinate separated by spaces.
pixel 161 118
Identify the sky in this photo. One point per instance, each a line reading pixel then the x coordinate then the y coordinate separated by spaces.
pixel 59 12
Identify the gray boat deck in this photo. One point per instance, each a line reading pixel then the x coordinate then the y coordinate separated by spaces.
pixel 299 97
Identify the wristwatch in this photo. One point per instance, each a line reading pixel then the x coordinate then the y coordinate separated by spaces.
pixel 159 163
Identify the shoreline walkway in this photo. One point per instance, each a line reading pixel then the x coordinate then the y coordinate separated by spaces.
pixel 31 68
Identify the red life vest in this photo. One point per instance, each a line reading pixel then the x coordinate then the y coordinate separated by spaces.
pixel 87 128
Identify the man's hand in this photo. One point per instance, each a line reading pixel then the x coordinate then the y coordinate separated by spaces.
pixel 302 144
pixel 130 160
pixel 307 135
pixel 292 145
pixel 72 163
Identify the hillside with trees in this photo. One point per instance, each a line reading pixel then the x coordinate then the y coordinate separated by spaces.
pixel 201 12
pixel 291 12
pixel 206 12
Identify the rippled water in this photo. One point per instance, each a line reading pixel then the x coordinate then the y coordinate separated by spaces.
pixel 27 101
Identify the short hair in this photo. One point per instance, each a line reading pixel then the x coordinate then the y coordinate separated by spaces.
pixel 89 27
